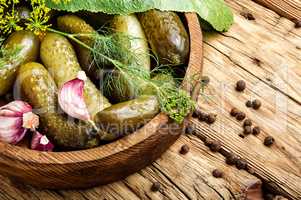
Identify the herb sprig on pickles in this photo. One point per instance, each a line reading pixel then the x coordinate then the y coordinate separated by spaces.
pixel 175 102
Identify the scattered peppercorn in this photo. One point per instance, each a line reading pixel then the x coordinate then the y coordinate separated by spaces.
pixel 241 164
pixel 241 135
pixel 208 142
pixel 234 112
pixel 211 118
pixel 215 146
pixel 184 149
pixel 196 114
pixel 240 116
pixel 189 130
pixel 205 80
pixel 203 117
pixel 268 141
pixel 298 24
pixel 217 173
pixel 156 186
pixel 247 15
pixel 256 130
pixel 247 122
pixel 269 197
pixel 256 104
pixel 249 104
pixel 231 159
pixel 240 86
pixel 247 130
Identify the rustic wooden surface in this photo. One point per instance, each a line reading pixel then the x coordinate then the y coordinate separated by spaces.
pixel 266 53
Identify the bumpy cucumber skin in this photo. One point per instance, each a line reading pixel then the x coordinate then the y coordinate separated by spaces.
pixel 30 50
pixel 60 59
pixel 130 25
pixel 126 117
pixel 167 36
pixel 75 25
pixel 40 91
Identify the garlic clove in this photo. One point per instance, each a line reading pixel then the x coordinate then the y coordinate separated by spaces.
pixel 11 130
pixel 40 142
pixel 71 98
pixel 18 107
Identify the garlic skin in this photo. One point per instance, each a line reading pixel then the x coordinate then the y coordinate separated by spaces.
pixel 71 98
pixel 40 142
pixel 16 118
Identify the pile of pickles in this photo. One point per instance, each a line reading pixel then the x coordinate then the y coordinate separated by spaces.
pixel 45 63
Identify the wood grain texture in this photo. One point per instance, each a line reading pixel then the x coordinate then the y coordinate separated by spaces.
pixel 188 177
pixel 182 177
pixel 110 162
pixel 290 9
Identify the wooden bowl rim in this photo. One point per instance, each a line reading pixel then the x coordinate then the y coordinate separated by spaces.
pixel 80 156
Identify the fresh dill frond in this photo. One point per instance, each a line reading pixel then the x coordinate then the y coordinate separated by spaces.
pixel 175 102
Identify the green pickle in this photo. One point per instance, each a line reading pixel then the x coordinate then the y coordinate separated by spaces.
pixel 60 59
pixel 40 91
pixel 126 117
pixel 27 46
pixel 75 25
pixel 167 36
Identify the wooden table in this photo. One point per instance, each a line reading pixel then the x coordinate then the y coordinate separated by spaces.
pixel 266 53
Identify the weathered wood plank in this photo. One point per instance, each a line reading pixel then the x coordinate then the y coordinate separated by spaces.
pixel 181 176
pixel 290 9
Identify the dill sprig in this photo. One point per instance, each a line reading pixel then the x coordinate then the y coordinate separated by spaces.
pixel 173 101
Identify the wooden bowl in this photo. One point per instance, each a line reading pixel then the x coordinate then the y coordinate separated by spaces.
pixel 107 163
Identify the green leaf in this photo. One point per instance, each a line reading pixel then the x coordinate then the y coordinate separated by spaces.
pixel 215 12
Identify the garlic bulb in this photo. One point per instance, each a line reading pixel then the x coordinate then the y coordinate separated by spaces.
pixel 16 118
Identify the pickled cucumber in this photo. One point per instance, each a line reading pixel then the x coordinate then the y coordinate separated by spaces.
pixel 126 117
pixel 40 91
pixel 167 36
pixel 130 25
pixel 27 46
pixel 59 58
pixel 75 25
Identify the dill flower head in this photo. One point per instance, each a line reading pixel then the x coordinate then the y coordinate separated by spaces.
pixel 39 17
pixel 10 20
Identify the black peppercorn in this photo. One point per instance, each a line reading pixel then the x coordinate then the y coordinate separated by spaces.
pixel 298 24
pixel 248 15
pixel 211 118
pixel 256 130
pixel 240 86
pixel 249 104
pixel 217 173
pixel 241 135
pixel 205 80
pixel 156 186
pixel 215 146
pixel 189 130
pixel 184 149
pixel 240 116
pixel 196 113
pixel 208 142
pixel 241 164
pixel 256 104
pixel 247 130
pixel 247 122
pixel 234 112
pixel 203 117
pixel 231 159
pixel 268 141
